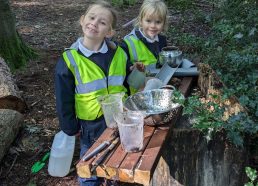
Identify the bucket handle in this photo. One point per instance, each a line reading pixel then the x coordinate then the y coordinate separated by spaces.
pixel 170 87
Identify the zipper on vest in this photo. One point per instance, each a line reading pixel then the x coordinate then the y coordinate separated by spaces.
pixel 108 74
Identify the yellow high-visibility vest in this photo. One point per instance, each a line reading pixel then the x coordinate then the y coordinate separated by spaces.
pixel 91 82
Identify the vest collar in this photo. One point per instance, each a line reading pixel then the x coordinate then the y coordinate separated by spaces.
pixel 140 35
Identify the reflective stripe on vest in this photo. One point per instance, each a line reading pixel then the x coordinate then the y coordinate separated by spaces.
pixel 139 52
pixel 133 49
pixel 94 83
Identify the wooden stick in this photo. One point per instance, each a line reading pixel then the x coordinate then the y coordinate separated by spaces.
pixel 15 158
pixel 129 23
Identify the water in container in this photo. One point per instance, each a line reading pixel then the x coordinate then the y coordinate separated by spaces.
pixel 61 155
pixel 110 104
pixel 130 126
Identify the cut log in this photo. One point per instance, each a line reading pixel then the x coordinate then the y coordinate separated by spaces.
pixel 10 123
pixel 84 167
pixel 10 96
pixel 191 160
pixel 205 79
pixel 210 84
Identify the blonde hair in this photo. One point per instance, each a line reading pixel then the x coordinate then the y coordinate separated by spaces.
pixel 106 5
pixel 153 7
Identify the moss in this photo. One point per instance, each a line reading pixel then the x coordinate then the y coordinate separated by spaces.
pixel 15 52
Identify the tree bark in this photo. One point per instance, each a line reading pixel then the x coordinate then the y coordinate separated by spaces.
pixel 189 159
pixel 10 123
pixel 10 96
pixel 12 48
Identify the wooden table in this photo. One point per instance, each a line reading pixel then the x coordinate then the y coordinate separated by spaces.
pixel 132 167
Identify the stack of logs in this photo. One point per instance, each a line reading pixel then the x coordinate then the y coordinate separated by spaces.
pixel 12 106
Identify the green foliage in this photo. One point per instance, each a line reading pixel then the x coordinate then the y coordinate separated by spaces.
pixel 252 175
pixel 231 50
pixel 208 117
pixel 189 42
pixel 181 5
pixel 178 97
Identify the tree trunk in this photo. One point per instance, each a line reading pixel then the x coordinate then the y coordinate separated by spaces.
pixel 10 124
pixel 12 48
pixel 189 159
pixel 10 97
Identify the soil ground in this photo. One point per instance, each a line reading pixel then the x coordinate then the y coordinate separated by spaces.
pixel 47 26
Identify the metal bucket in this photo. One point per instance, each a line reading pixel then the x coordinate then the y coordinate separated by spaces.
pixel 171 55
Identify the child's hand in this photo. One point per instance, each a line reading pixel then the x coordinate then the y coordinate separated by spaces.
pixel 140 66
pixel 78 134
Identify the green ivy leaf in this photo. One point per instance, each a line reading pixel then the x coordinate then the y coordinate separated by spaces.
pixel 249 184
pixel 251 173
pixel 244 100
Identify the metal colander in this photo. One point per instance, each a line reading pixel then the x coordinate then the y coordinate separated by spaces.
pixel 158 104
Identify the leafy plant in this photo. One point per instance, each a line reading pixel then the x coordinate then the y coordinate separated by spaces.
pixel 181 5
pixel 231 50
pixel 211 115
pixel 252 175
pixel 178 97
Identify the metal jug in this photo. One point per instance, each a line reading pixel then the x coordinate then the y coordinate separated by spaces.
pixel 171 55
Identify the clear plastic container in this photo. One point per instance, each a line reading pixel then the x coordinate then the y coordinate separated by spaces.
pixel 110 104
pixel 136 79
pixel 61 155
pixel 130 126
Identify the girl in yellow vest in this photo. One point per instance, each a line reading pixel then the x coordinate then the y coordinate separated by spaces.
pixel 145 41
pixel 91 67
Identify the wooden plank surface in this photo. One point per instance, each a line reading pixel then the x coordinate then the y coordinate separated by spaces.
pixel 101 170
pixel 126 169
pixel 114 162
pixel 145 167
pixel 83 167
pixel 133 167
pixel 148 162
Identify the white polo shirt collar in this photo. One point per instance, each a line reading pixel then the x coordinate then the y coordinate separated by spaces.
pixel 156 38
pixel 88 52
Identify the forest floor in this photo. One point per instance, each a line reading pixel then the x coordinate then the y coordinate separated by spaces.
pixel 48 27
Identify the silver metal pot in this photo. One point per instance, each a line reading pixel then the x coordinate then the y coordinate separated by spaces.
pixel 158 105
pixel 171 55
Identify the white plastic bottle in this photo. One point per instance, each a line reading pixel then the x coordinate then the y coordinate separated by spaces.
pixel 61 155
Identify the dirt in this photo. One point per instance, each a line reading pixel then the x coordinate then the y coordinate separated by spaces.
pixel 49 27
